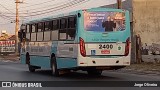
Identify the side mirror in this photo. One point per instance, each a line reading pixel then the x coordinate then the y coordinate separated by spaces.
pixel 79 14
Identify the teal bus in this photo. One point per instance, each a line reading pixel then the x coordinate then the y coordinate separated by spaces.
pixel 91 40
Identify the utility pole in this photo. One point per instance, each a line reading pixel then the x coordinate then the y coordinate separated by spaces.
pixel 119 4
pixel 17 26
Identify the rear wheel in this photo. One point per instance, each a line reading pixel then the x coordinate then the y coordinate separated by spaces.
pixel 94 72
pixel 55 71
pixel 30 67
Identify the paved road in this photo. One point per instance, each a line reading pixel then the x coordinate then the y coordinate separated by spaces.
pixel 10 71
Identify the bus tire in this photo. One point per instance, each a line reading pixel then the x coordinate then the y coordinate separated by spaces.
pixel 94 72
pixel 55 71
pixel 30 67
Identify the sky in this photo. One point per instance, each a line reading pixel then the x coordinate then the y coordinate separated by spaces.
pixel 34 9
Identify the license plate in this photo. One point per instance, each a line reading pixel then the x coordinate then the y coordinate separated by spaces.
pixel 105 46
pixel 105 51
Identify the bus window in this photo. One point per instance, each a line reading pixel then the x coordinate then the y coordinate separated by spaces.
pixel 28 28
pixel 55 24
pixel 63 34
pixel 33 28
pixel 47 33
pixel 33 32
pixel 55 30
pixel 71 28
pixel 63 23
pixel 54 35
pixel 48 25
pixel 40 32
pixel 72 22
pixel 104 21
pixel 40 36
pixel 63 30
pixel 40 27
pixel 28 33
pixel 71 34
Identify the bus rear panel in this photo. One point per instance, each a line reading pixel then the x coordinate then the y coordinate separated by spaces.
pixel 104 38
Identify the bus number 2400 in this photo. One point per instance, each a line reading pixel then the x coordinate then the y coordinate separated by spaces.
pixel 107 46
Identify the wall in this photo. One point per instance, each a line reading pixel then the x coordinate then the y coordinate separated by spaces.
pixel 146 20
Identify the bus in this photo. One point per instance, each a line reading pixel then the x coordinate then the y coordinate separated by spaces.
pixel 91 40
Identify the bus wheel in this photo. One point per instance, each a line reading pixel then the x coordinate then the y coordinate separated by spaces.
pixel 31 68
pixel 55 71
pixel 95 72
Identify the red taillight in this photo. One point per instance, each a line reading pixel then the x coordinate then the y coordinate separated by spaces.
pixel 127 46
pixel 82 47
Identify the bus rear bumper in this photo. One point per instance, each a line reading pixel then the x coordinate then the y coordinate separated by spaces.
pixel 100 68
pixel 89 61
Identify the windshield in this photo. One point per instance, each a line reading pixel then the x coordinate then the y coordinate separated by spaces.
pixel 104 21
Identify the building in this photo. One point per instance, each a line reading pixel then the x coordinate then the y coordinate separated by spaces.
pixel 6 36
pixel 7 43
pixel 147 20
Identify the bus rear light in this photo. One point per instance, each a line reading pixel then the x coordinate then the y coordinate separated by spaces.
pixel 82 47
pixel 127 47
pixel 81 63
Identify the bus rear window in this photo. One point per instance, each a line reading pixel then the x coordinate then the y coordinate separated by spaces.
pixel 104 21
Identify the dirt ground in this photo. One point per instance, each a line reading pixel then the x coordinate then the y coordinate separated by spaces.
pixel 11 57
pixel 148 68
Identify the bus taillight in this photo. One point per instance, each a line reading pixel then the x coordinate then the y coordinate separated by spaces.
pixel 82 47
pixel 127 46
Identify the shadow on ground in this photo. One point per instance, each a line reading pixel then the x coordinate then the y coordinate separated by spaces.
pixel 79 75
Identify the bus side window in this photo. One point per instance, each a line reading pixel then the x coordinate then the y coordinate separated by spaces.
pixel 28 33
pixel 72 22
pixel 71 28
pixel 63 23
pixel 33 32
pixel 40 31
pixel 63 30
pixel 33 28
pixel 55 24
pixel 47 33
pixel 48 25
pixel 40 27
pixel 55 28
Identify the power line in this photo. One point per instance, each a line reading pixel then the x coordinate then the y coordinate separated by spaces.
pixel 38 4
pixel 6 8
pixel 5 17
pixel 44 7
pixel 55 7
pixel 51 10
pixel 33 4
pixel 5 23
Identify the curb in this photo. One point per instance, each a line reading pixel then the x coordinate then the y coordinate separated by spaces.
pixel 139 72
